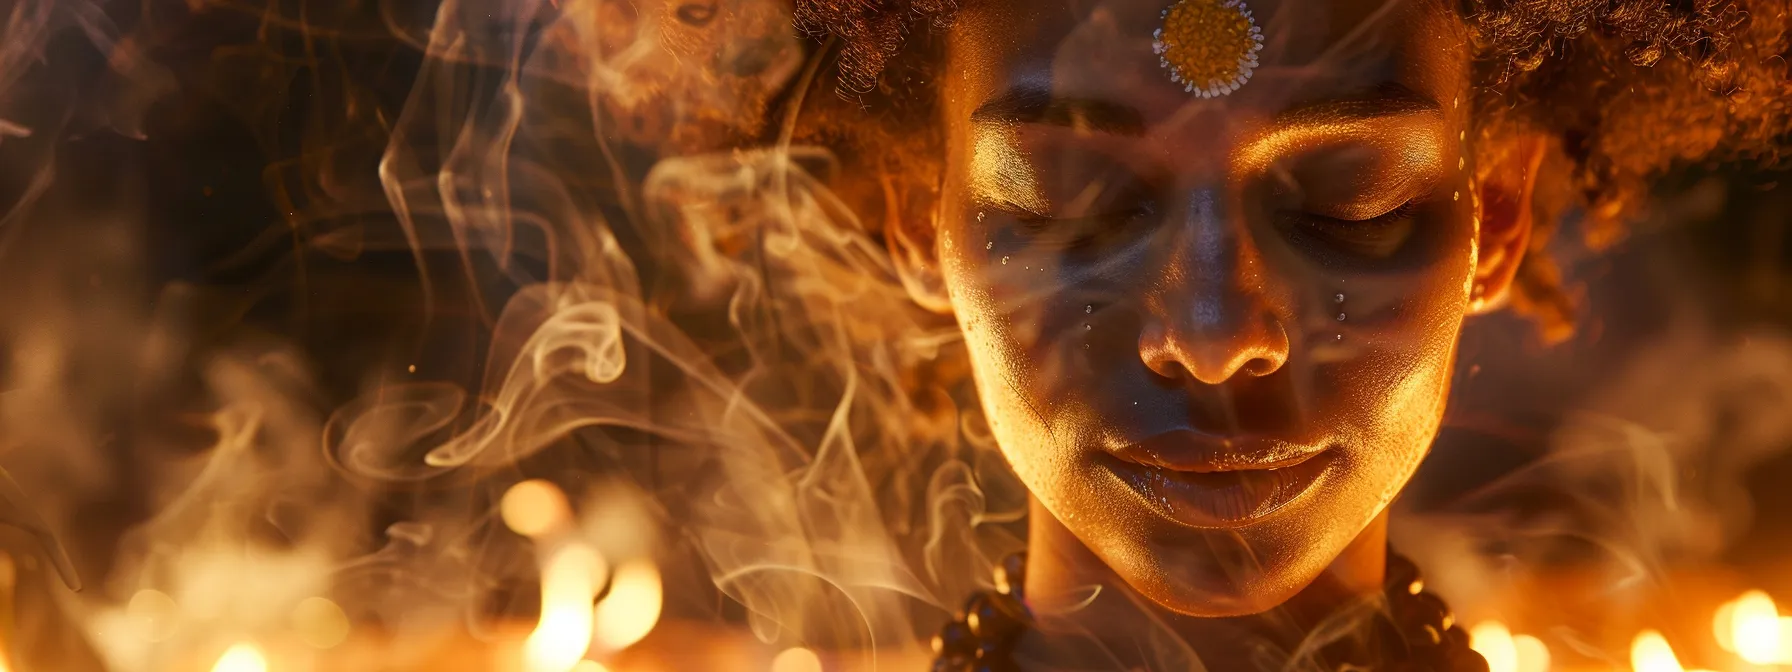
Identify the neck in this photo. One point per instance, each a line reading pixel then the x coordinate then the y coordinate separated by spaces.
pixel 1123 627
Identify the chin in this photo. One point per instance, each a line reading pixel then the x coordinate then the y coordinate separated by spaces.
pixel 1198 582
pixel 1215 600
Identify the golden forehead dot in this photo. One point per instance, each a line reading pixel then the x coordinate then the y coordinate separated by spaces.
pixel 1209 46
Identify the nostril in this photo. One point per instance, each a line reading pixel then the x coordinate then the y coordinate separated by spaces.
pixel 1258 367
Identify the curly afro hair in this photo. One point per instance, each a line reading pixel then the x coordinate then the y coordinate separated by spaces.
pixel 1627 90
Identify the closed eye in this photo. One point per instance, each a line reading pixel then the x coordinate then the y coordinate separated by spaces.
pixel 1374 238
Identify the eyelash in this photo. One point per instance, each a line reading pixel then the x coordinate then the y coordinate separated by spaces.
pixel 1376 238
pixel 1400 212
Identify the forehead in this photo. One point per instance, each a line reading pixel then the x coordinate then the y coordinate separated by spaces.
pixel 1311 49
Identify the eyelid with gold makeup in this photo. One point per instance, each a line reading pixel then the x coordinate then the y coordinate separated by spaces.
pixel 1418 137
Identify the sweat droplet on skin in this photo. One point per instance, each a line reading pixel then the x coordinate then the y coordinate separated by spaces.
pixel 989 246
pixel 1087 326
pixel 1340 317
pixel 1004 261
pixel 1338 299
pixel 1088 309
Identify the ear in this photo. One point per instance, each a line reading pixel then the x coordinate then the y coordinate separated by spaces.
pixel 911 232
pixel 1503 213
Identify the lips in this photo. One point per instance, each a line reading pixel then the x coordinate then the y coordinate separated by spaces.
pixel 1211 482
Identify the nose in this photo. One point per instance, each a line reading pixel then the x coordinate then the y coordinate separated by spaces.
pixel 1209 314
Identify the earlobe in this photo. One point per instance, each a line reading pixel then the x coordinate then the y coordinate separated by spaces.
pixel 1503 215
pixel 911 234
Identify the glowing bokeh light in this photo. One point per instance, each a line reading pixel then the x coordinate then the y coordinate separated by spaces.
pixel 632 608
pixel 1493 641
pixel 1533 655
pixel 567 588
pixel 156 614
pixel 1785 657
pixel 1755 628
pixel 534 508
pixel 1650 652
pixel 1723 626
pixel 796 659
pixel 243 657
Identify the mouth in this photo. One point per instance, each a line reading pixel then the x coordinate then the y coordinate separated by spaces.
pixel 1208 482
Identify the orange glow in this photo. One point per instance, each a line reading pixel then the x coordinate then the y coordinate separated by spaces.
pixel 564 633
pixel 320 623
pixel 1650 652
pixel 796 660
pixel 632 608
pixel 155 613
pixel 1493 641
pixel 534 508
pixel 1533 654
pixel 1755 628
pixel 1506 652
pixel 243 657
pixel 1723 626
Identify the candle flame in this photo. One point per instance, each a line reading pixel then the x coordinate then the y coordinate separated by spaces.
pixel 1506 652
pixel 243 657
pixel 567 588
pixel 1723 626
pixel 1493 641
pixel 534 508
pixel 1650 652
pixel 1755 628
pixel 796 659
pixel 632 608
pixel 1533 654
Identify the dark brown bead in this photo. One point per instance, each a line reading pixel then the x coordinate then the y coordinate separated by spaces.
pixel 989 649
pixel 1400 575
pixel 1420 617
pixel 995 617
pixel 1465 659
pixel 1011 574
pixel 951 664
pixel 1456 637
pixel 1389 642
pixel 954 638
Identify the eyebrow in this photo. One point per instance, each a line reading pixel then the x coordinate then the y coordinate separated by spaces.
pixel 1386 99
pixel 1031 104
pixel 1037 105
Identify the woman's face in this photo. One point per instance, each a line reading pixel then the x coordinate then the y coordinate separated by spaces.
pixel 1213 336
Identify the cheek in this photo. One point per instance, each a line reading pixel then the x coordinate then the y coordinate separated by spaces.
pixel 1391 381
pixel 1017 342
